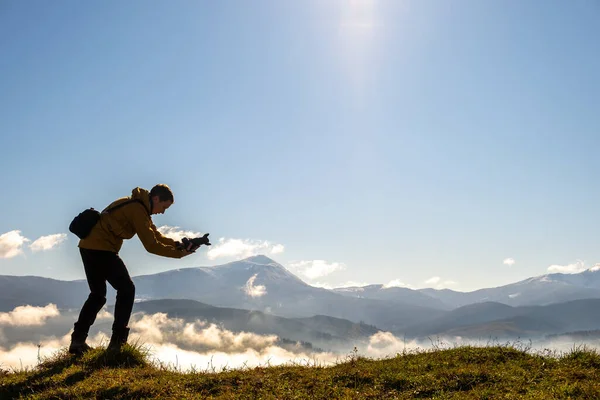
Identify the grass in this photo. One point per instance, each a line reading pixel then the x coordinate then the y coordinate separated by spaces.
pixel 490 372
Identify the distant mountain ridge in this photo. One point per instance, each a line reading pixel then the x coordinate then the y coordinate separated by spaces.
pixel 540 290
pixel 255 283
pixel 393 294
pixel 494 319
pixel 261 284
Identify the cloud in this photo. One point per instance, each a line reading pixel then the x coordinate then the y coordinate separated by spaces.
pixel 315 268
pixel 160 329
pixel 172 342
pixel 242 248
pixel 385 344
pixel 215 361
pixel 396 283
pixel 346 284
pixel 103 314
pixel 25 355
pixel 433 280
pixel 509 261
pixel 595 268
pixel 48 242
pixel 574 268
pixel 254 291
pixel 353 284
pixel 150 327
pixel 382 340
pixel 202 345
pixel 176 233
pixel 277 249
pixel 29 315
pixel 11 243
pixel 214 338
pixel 437 282
pixel 214 348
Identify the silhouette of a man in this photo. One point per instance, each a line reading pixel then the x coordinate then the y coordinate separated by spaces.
pixel 100 254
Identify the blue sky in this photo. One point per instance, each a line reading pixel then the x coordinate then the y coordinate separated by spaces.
pixel 418 143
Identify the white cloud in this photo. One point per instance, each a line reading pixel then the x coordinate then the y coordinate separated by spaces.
pixel 323 285
pixel 48 242
pixel 383 340
pixel 277 249
pixel 11 244
pixel 576 267
pixel 203 346
pixel 150 327
pixel 184 345
pixel 104 314
pixel 214 338
pixel 346 284
pixel 353 284
pixel 385 344
pixel 433 280
pixel 437 282
pixel 199 335
pixel 596 267
pixel 316 268
pixel 173 356
pixel 25 355
pixel 242 248
pixel 176 233
pixel 29 315
pixel 509 261
pixel 254 291
pixel 396 283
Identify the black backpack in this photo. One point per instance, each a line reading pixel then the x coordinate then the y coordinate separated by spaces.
pixel 83 223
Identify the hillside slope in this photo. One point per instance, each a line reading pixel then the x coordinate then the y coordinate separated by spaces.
pixel 458 373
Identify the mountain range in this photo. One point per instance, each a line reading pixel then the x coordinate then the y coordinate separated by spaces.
pixel 540 290
pixel 547 304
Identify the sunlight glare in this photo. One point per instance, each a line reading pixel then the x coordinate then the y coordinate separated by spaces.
pixel 358 42
pixel 358 14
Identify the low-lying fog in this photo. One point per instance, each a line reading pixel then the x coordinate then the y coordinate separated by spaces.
pixel 30 334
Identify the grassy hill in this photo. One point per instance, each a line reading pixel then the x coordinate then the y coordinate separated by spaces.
pixel 493 372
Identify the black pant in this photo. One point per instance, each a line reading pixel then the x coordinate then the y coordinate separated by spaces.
pixel 100 267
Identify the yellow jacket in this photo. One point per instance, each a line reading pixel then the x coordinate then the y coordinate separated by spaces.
pixel 123 223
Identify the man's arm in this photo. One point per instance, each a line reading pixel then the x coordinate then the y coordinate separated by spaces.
pixel 147 233
pixel 163 239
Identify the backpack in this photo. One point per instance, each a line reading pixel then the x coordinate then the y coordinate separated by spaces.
pixel 83 223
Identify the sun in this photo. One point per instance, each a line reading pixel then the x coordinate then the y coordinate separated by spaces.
pixel 358 15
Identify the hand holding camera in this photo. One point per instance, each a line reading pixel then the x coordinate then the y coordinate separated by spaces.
pixel 191 245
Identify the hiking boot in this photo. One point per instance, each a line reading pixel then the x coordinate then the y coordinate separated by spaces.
pixel 118 339
pixel 78 347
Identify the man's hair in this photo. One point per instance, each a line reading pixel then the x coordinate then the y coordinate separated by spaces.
pixel 163 192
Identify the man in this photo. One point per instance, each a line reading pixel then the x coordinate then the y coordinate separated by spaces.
pixel 100 254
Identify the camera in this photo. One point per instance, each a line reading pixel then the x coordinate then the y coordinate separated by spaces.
pixel 193 244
